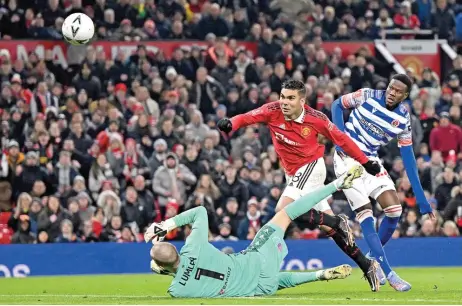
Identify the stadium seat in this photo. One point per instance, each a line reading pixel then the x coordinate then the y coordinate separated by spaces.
pixel 5 234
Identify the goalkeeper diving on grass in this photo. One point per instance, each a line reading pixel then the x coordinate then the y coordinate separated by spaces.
pixel 201 270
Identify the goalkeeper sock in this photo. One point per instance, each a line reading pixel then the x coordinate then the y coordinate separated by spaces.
pixel 316 218
pixel 352 251
pixel 308 201
pixel 292 279
pixel 366 220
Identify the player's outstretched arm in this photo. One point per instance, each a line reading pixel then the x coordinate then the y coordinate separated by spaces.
pixel 196 216
pixel 410 164
pixel 259 115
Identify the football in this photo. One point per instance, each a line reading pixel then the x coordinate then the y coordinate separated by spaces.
pixel 78 29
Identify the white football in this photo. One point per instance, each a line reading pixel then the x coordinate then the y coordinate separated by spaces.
pixel 78 29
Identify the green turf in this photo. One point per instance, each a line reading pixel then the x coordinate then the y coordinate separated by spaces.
pixel 430 286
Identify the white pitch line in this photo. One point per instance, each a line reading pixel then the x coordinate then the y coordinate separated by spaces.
pixel 256 298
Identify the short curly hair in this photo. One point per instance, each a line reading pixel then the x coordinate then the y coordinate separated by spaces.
pixel 295 85
pixel 404 78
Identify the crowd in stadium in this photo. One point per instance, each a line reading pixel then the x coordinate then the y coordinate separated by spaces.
pixel 98 151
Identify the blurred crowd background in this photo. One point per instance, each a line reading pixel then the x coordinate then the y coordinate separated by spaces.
pixel 98 150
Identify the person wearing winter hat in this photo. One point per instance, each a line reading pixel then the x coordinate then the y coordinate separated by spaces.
pixel 160 152
pixel 171 180
pixel 14 157
pixel 225 233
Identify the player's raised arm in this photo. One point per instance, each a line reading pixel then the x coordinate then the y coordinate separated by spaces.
pixel 410 164
pixel 325 127
pixel 259 115
pixel 196 216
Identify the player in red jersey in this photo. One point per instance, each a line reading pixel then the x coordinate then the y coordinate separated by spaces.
pixel 294 130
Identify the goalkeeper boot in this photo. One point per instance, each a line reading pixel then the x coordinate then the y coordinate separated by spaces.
pixel 398 283
pixel 339 272
pixel 346 181
pixel 371 275
pixel 380 275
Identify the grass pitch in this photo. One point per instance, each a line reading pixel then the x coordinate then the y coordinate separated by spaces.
pixel 429 286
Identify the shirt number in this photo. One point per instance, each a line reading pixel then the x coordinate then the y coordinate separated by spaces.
pixel 208 273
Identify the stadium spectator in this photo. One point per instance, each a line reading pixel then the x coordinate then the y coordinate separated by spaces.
pixel 113 232
pixel 443 191
pixel 443 20
pixel 224 231
pixel 405 19
pixel 51 217
pixel 252 222
pixel 171 180
pixel 23 234
pixel 439 140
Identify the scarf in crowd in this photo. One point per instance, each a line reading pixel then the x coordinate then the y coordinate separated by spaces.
pixel 131 160
pixel 117 152
pixel 254 221
pixel 64 175
pixel 175 190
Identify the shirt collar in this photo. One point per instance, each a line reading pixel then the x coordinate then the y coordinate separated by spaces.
pixel 301 118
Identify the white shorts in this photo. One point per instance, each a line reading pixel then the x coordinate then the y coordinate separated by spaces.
pixel 307 179
pixel 364 187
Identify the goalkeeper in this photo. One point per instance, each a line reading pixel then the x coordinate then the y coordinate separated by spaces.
pixel 201 270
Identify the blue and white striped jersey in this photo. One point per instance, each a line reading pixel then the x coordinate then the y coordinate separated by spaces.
pixel 371 124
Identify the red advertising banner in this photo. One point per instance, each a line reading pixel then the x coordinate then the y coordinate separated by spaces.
pixel 416 54
pixel 21 48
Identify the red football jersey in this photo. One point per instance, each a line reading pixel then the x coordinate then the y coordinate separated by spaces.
pixel 296 141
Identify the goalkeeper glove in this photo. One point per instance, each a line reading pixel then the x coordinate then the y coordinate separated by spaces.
pixel 157 231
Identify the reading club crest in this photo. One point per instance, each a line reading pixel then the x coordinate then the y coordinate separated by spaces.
pixel 395 123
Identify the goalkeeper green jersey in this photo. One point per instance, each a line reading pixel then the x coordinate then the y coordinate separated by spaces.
pixel 204 271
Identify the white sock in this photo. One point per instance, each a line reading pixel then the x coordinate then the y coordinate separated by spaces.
pixel 319 274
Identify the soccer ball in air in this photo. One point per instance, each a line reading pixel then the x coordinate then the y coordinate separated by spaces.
pixel 78 29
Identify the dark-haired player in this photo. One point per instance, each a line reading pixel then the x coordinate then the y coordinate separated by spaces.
pixel 294 130
pixel 378 117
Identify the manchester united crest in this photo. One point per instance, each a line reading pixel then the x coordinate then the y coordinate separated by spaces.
pixel 306 131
